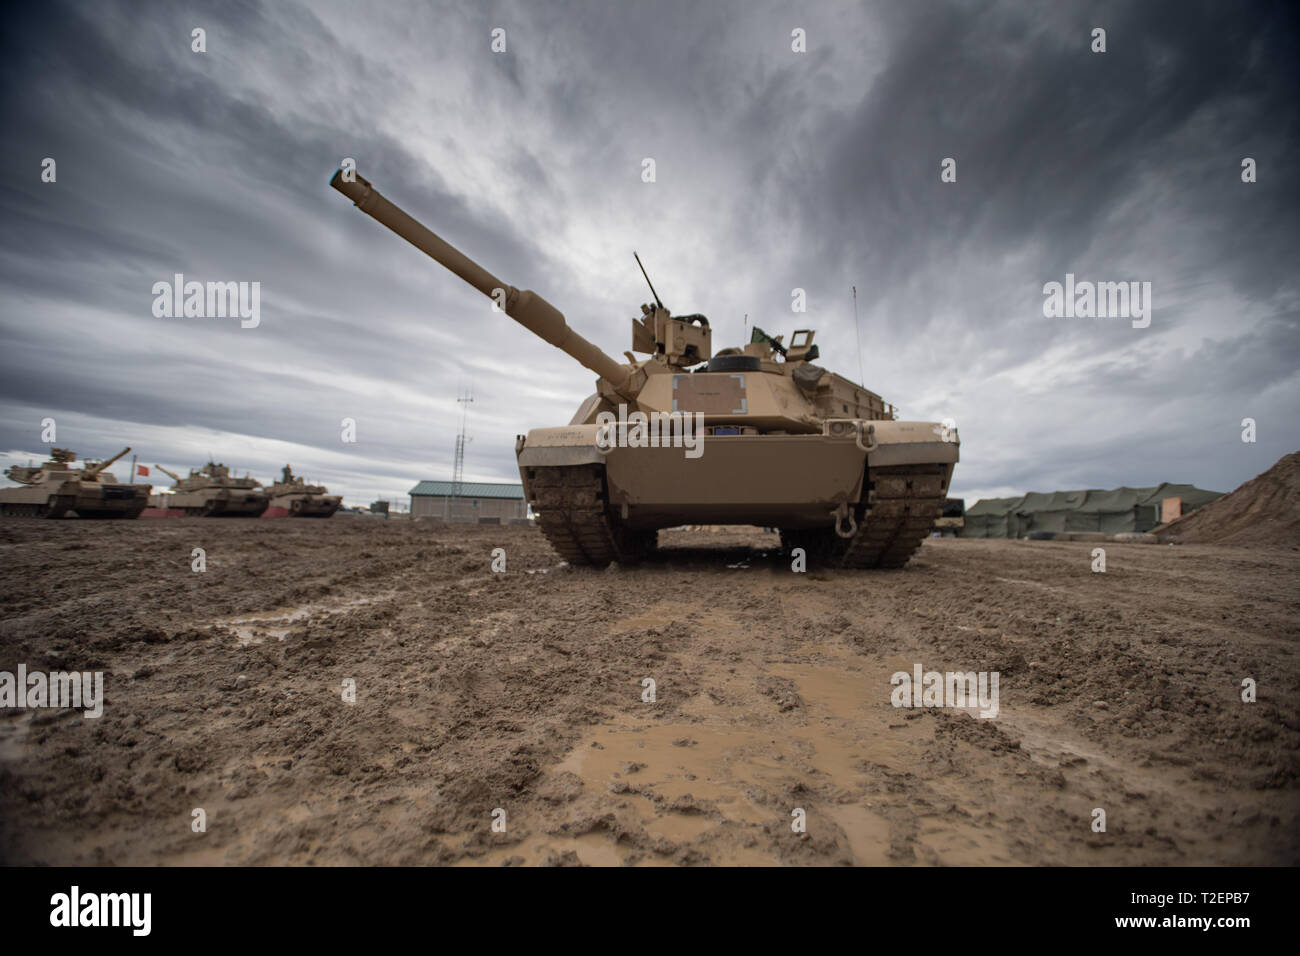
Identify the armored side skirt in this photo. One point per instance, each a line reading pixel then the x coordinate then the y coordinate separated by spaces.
pixel 88 501
pixel 239 504
pixel 303 506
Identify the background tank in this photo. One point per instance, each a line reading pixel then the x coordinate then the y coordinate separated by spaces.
pixel 952 517
pixel 58 488
pixel 784 442
pixel 214 493
pixel 292 497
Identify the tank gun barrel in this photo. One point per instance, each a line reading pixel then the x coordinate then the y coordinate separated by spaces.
pixel 526 307
pixel 104 464
pixel 170 474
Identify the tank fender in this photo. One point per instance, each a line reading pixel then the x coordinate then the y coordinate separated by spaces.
pixel 566 445
pixel 901 443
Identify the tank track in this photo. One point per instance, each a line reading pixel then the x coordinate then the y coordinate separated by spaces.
pixel 901 506
pixel 56 507
pixel 573 512
pixel 27 510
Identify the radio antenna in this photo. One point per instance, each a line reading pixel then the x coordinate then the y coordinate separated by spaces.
pixel 857 327
pixel 647 280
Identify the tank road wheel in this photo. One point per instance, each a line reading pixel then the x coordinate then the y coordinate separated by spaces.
pixel 573 512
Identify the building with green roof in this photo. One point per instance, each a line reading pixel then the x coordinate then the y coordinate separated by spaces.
pixel 489 501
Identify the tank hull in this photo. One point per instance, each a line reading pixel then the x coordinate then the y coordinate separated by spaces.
pixel 219 503
pixel 82 499
pixel 302 506
pixel 847 502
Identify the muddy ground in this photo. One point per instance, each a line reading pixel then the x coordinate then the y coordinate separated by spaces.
pixel 523 691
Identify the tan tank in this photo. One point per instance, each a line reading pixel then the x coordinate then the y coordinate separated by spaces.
pixel 292 497
pixel 58 488
pixel 213 492
pixel 755 435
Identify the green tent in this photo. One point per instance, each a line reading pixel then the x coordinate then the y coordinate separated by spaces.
pixel 1115 511
pixel 1048 511
pixel 991 518
pixel 1110 512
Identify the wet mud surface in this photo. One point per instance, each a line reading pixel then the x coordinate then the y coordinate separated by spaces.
pixel 525 692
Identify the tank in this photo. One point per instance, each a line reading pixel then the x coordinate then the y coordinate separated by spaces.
pixel 292 497
pixel 952 518
pixel 755 434
pixel 213 492
pixel 58 488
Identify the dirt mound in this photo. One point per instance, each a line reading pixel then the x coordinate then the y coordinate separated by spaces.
pixel 1264 512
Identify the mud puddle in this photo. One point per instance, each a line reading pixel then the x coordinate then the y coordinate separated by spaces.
pixel 13 735
pixel 259 628
pixel 727 783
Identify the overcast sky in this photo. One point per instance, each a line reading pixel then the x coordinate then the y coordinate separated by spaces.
pixel 775 170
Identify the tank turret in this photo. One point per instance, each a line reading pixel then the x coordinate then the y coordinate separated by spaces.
pixel 293 497
pixel 801 403
pixel 92 471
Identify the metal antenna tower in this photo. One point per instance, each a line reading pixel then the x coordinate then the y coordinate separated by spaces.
pixel 458 468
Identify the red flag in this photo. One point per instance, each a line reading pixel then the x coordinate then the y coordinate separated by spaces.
pixel 142 471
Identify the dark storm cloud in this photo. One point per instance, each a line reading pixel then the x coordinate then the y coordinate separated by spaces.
pixel 1051 138
pixel 775 171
